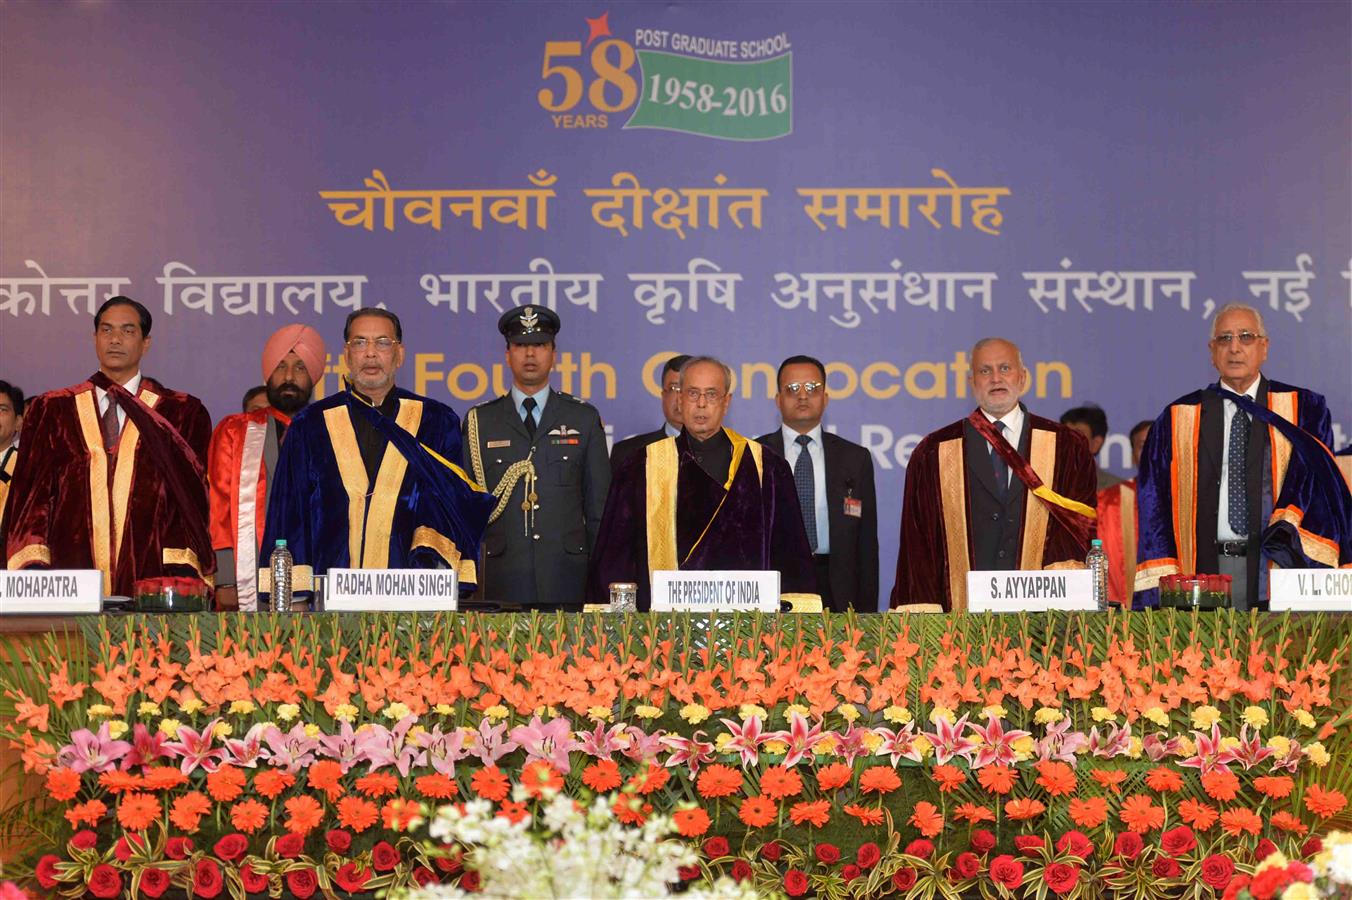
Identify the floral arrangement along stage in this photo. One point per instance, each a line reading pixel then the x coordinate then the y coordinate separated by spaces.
pixel 1055 755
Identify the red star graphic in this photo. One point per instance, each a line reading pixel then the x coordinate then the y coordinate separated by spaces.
pixel 598 27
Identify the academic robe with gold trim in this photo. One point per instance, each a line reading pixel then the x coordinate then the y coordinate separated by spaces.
pixel 664 512
pixel 1117 529
pixel 74 506
pixel 9 458
pixel 331 516
pixel 939 527
pixel 238 477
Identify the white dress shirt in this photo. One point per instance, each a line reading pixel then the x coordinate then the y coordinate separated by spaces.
pixel 101 398
pixel 817 454
pixel 1013 431
pixel 1223 530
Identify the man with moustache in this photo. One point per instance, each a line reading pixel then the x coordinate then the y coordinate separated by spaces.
pixel 113 470
pixel 242 460
pixel 366 477
pixel 671 412
pixel 1000 489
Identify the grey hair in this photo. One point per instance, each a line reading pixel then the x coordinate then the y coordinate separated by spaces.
pixel 696 360
pixel 1237 307
pixel 1018 354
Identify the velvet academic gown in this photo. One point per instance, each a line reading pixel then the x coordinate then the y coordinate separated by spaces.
pixel 751 521
pixel 420 513
pixel 944 520
pixel 9 459
pixel 140 512
pixel 1297 504
pixel 237 471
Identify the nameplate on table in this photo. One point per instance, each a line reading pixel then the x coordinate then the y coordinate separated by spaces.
pixel 1310 590
pixel 720 591
pixel 391 590
pixel 1030 591
pixel 36 591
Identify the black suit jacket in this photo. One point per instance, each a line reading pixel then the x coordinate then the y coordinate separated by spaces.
pixel 853 568
pixel 631 445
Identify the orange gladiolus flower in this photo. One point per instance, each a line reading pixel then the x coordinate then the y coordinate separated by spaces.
pixel 357 813
pixel 1140 814
pixel 1197 814
pixel 1239 820
pixel 378 784
pixel 490 783
pixel 539 776
pixel 303 814
pixel 326 775
pixel 757 812
pixel 1056 778
pixel 34 715
pixel 1220 785
pixel 1287 822
pixel 436 786
pixel 867 815
pixel 778 782
pixel 1274 786
pixel 271 782
pixel 879 780
pixel 188 810
pixel 1110 778
pixel 814 812
pixel 1088 813
pixel 248 815
pixel 63 784
pixel 927 819
pixel 118 782
pixel 1024 808
pixel 163 778
pixel 719 781
pixel 651 779
pixel 997 779
pixel 1163 779
pixel 89 813
pixel 970 812
pixel 137 811
pixel 1324 803
pixel 834 776
pixel 225 784
pixel 948 778
pixel 691 822
pixel 602 775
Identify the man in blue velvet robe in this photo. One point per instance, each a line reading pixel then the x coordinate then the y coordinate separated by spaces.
pixel 707 499
pixel 1237 477
pixel 366 479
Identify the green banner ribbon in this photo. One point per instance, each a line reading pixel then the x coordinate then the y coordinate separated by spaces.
pixel 750 101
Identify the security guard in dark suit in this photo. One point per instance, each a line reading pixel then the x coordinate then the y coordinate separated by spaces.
pixel 542 453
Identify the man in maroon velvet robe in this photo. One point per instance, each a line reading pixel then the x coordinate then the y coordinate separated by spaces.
pixel 113 473
pixel 707 499
pixel 1001 489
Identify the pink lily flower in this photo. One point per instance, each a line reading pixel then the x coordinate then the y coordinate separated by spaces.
pixel 381 746
pixel 1060 743
pixel 949 742
pixel 899 744
pixel 1209 755
pixel 690 751
pixel 746 739
pixel 444 749
pixel 800 738
pixel 292 750
pixel 194 750
pixel 1115 742
pixel 92 752
pixel 601 742
pixel 1251 750
pixel 643 746
pixel 549 742
pixel 489 746
pixel 147 748
pixel 1157 749
pixel 997 745
pixel 247 752
pixel 341 746
pixel 1290 761
pixel 850 743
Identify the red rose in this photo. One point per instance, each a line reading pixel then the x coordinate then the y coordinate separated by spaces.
pixel 741 870
pixel 1007 870
pixel 967 865
pixel 232 847
pixel 1178 841
pixel 424 876
pixel 1027 843
pixel 127 845
pixel 868 855
pixel 84 840
pixel 1076 844
pixel 252 881
pixel 339 841
pixel 983 841
pixel 1165 867
pixel 1268 882
pixel 795 883
pixel 350 878
pixel 302 883
pixel 46 870
pixel 716 846
pixel 688 873
pixel 289 845
pixel 384 857
pixel 1217 871
pixel 850 872
pixel 451 865
pixel 904 879
pixel 1128 845
pixel 771 851
pixel 154 882
pixel 1311 847
pixel 1061 878
pixel 827 854
pixel 178 847
pixel 470 882
pixel 921 848
pixel 1263 850
pixel 104 881
pixel 206 878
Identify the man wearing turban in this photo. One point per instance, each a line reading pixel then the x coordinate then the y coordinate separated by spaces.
pixel 243 458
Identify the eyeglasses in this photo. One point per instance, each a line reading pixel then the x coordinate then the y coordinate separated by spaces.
pixel 709 396
pixel 674 387
pixel 794 387
pixel 383 344
pixel 1225 339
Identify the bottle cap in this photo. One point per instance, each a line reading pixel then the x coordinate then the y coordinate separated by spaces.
pixel 1098 543
pixel 281 543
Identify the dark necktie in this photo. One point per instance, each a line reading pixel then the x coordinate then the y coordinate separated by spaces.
pixel 998 464
pixel 804 479
pixel 529 405
pixel 109 426
pixel 1235 459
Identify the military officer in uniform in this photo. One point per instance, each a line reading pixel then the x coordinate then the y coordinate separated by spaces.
pixel 542 453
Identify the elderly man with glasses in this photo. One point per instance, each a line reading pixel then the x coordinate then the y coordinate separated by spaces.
pixel 1237 475
pixel 707 499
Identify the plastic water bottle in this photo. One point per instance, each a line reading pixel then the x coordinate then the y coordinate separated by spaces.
pixel 281 564
pixel 1097 561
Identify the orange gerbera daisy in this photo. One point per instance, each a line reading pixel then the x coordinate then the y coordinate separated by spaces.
pixel 1163 779
pixel 490 783
pixel 631 810
pixel 1088 813
pixel 927 819
pixel 602 775
pixel 1220 784
pixel 225 784
pixel 399 814
pixel 1239 820
pixel 1287 822
pixel 778 782
pixel 1274 786
pixel 1197 814
pixel 513 811
pixel 248 815
pixel 378 784
pixel 163 778
pixel 115 781
pixel 1056 778
pixel 63 784
pixel 436 786
pixel 89 813
pixel 1324 803
pixel 1111 779
pixel 271 782
pixel 1140 814
pixel 834 776
pixel 651 779
pixel 867 815
pixel 948 777
pixel 326 775
pixel 719 781
pixel 539 776
pixel 303 814
pixel 970 812
pixel 357 813
pixel 815 812
pixel 879 780
pixel 188 810
pixel 137 811
pixel 757 812
pixel 691 822
pixel 1024 808
pixel 997 779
